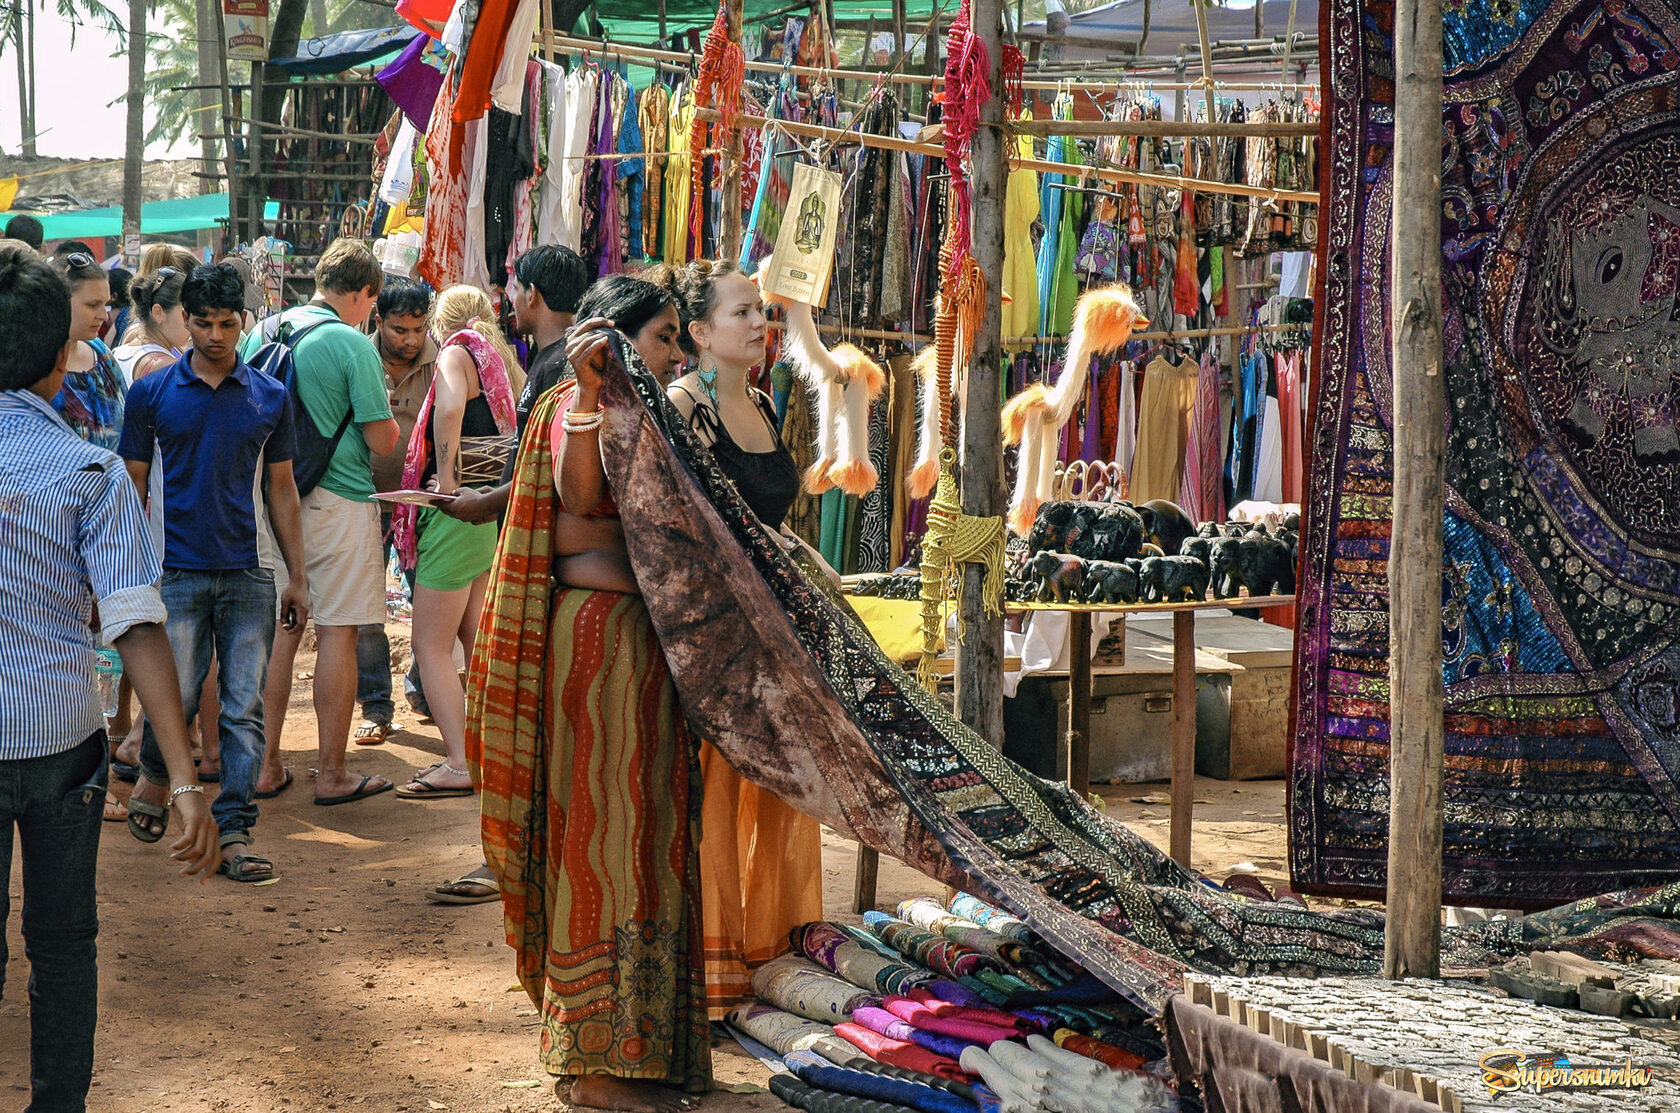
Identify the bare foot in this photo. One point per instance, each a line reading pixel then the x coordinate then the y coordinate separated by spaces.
pixel 600 1091
pixel 270 782
pixel 148 792
pixel 128 750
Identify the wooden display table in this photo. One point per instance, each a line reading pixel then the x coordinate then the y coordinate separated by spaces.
pixel 1077 743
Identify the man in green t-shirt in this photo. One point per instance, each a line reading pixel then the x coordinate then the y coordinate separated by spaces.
pixel 339 373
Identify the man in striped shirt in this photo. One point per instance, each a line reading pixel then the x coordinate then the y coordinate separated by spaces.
pixel 72 535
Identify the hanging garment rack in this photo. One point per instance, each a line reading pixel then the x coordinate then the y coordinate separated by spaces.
pixel 910 146
pixel 1022 341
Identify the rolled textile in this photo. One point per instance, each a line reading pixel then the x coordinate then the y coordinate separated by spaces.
pixel 992 918
pixel 831 948
pixel 987 1099
pixel 1000 1080
pixel 783 1032
pixel 905 1053
pixel 795 984
pixel 1085 990
pixel 918 1015
pixel 940 1007
pixel 1074 1065
pixel 800 1095
pixel 1104 1053
pixel 930 915
pixel 904 1074
pixel 884 1022
pixel 1021 1062
pixel 813 1070
pixel 933 951
pixel 955 992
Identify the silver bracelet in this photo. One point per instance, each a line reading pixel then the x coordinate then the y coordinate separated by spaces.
pixel 182 791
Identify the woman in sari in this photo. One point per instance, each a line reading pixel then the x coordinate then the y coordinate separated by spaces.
pixel 760 860
pixel 589 778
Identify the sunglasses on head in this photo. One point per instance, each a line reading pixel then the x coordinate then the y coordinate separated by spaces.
pixel 80 260
pixel 166 273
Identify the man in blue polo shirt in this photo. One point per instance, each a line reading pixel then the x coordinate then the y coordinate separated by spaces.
pixel 221 428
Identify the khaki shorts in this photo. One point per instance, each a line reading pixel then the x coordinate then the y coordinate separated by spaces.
pixel 345 558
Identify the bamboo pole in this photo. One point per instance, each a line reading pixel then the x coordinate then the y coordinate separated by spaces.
pixel 1104 173
pixel 1207 50
pixel 849 333
pixel 979 679
pixel 1412 936
pixel 1171 129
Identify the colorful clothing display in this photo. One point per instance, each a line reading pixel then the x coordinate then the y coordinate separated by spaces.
pixel 1560 621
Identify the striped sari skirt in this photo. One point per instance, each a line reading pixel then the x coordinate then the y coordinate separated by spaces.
pixel 601 896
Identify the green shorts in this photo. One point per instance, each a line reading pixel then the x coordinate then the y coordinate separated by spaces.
pixel 452 554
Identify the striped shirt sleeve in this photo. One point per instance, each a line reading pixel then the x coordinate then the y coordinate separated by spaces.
pixel 116 550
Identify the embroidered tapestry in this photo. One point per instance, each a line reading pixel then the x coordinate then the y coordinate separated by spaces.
pixel 1561 591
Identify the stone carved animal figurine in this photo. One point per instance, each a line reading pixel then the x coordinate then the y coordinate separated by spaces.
pixel 1050 527
pixel 1104 531
pixel 1222 566
pixel 1173 579
pixel 1197 547
pixel 1109 581
pixel 1165 524
pixel 1061 577
pixel 1263 565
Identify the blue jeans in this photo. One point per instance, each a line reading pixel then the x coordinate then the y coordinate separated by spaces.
pixel 233 613
pixel 54 805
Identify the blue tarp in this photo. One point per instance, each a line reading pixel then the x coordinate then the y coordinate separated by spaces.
pixel 345 50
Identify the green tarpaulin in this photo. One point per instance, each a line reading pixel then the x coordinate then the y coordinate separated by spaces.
pixel 183 214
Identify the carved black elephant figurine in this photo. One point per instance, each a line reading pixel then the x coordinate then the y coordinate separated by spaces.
pixel 1061 577
pixel 1109 581
pixel 1165 524
pixel 1263 565
pixel 1173 579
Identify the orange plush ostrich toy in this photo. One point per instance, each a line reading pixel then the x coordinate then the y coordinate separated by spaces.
pixel 845 381
pixel 1103 320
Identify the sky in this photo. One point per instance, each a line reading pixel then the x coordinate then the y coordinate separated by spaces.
pixel 75 88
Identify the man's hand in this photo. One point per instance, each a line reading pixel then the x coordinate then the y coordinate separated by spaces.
pixel 294 605
pixel 476 507
pixel 198 849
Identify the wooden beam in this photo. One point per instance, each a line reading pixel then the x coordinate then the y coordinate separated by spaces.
pixel 1207 50
pixel 1076 744
pixel 1171 129
pixel 729 218
pixel 842 136
pixel 979 686
pixel 1412 937
pixel 1183 736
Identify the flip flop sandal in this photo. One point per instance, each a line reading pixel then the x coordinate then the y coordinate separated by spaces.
pixel 115 810
pixel 284 785
pixel 425 790
pixel 362 792
pixel 251 869
pixel 465 890
pixel 372 733
pixel 140 815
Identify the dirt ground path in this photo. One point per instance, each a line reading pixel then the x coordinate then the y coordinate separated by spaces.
pixel 341 988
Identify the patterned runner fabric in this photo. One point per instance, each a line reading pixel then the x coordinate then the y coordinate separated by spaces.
pixel 588 775
pixel 1561 592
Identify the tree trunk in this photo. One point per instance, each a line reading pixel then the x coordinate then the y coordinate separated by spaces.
pixel 209 92
pixel 135 151
pixel 566 13
pixel 23 39
pixel 318 21
pixel 267 100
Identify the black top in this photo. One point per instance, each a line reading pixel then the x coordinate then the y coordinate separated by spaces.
pixel 476 421
pixel 768 481
pixel 548 370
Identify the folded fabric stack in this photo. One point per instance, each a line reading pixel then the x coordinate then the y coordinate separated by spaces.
pixel 959 1010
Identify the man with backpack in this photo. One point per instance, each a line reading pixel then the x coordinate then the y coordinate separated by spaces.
pixel 343 417
pixel 222 429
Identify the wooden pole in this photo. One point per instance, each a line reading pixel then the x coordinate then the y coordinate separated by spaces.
pixel 1183 736
pixel 230 162
pixel 980 652
pixel 1413 935
pixel 729 214
pixel 1207 49
pixel 135 153
pixel 1076 744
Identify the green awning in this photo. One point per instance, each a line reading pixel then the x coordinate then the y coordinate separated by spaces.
pixel 182 214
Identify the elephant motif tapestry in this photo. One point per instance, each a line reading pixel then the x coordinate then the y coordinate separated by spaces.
pixel 1560 596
